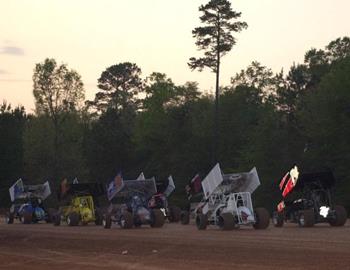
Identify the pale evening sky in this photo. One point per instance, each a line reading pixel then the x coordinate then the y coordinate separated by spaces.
pixel 90 35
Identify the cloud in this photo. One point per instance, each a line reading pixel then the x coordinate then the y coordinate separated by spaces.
pixel 13 50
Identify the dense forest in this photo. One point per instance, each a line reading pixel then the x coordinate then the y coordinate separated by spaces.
pixel 148 123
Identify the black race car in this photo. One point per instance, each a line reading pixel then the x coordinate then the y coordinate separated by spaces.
pixel 307 200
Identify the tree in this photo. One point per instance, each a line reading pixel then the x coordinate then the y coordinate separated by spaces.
pixel 58 92
pixel 120 86
pixel 256 75
pixel 325 119
pixel 56 89
pixel 216 40
pixel 108 145
pixel 12 125
pixel 45 162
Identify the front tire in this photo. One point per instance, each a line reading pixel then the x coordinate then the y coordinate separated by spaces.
pixel 306 218
pixel 278 219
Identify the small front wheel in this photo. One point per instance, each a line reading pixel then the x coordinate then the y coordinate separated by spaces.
pixel 306 218
pixel 278 219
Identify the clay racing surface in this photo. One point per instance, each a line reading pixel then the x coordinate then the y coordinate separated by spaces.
pixel 43 246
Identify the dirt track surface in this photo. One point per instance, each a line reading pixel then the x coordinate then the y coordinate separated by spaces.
pixel 43 246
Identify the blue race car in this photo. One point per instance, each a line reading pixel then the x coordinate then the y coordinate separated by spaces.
pixel 27 203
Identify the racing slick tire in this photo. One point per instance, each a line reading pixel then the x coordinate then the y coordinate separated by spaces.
pixel 306 218
pixel 262 218
pixel 185 217
pixel 201 221
pixel 158 218
pixel 278 219
pixel 226 222
pixel 107 221
pixel 126 220
pixel 73 219
pixel 175 214
pixel 340 216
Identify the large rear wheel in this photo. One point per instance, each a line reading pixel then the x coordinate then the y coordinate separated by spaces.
pixel 27 218
pixel 175 214
pixel 340 216
pixel 201 221
pixel 126 220
pixel 98 216
pixel 107 221
pixel 10 218
pixel 157 218
pixel 226 222
pixel 56 219
pixel 50 215
pixel 73 219
pixel 262 219
pixel 185 217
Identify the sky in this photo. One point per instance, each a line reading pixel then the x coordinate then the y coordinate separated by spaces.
pixel 91 35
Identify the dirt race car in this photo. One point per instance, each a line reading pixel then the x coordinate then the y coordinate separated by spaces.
pixel 129 204
pixel 79 204
pixel 307 200
pixel 160 201
pixel 227 201
pixel 27 203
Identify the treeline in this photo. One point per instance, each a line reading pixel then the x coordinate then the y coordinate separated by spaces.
pixel 135 124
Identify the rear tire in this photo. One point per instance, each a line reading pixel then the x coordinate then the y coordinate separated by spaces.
pixel 107 222
pixel 158 218
pixel 262 219
pixel 175 214
pixel 340 216
pixel 10 218
pixel 73 219
pixel 201 221
pixel 27 218
pixel 50 215
pixel 306 218
pixel 126 220
pixel 98 217
pixel 278 219
pixel 226 222
pixel 56 219
pixel 185 217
